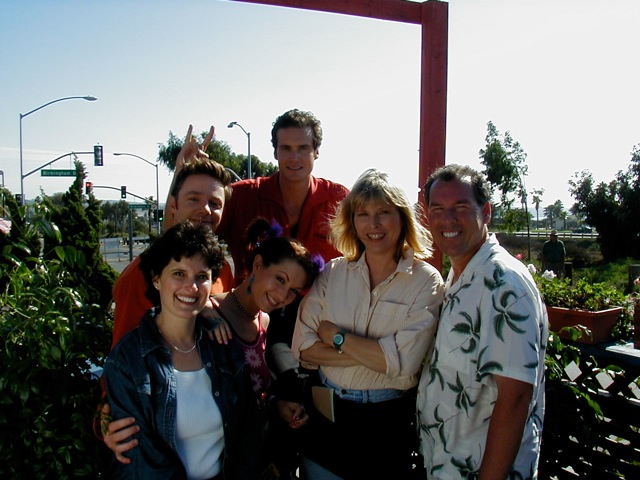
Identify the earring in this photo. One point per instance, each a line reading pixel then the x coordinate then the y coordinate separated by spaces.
pixel 251 279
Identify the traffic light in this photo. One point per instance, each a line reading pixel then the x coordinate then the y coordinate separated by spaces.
pixel 123 191
pixel 88 188
pixel 160 213
pixel 97 155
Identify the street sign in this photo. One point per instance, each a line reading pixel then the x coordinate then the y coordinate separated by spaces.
pixel 58 173
pixel 139 206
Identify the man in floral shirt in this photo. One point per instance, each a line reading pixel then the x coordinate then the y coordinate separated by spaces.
pixel 481 395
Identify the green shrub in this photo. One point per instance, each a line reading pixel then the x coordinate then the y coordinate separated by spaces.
pixel 51 336
pixel 615 273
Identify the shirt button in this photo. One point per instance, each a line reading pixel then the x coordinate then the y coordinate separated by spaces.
pixel 217 394
pixel 208 364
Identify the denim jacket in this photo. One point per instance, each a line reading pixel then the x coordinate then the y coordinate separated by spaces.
pixel 140 383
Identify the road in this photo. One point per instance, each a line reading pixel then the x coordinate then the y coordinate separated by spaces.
pixel 117 254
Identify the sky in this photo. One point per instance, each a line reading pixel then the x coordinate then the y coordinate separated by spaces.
pixel 561 76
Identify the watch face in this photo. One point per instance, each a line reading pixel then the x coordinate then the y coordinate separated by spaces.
pixel 338 339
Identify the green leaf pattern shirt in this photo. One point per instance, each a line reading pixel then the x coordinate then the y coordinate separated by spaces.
pixel 493 322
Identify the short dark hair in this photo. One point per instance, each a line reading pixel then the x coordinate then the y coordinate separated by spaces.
pixel 182 240
pixel 463 173
pixel 203 166
pixel 297 119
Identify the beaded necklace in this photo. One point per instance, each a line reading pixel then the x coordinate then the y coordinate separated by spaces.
pixel 239 305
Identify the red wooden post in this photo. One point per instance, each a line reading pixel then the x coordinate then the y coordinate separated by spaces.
pixel 433 95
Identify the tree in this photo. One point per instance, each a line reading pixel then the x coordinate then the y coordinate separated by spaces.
pixel 56 328
pixel 554 211
pixel 115 215
pixel 505 168
pixel 80 227
pixel 53 335
pixel 218 151
pixel 22 243
pixel 537 200
pixel 612 208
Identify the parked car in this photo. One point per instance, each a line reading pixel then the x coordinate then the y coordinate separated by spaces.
pixel 583 229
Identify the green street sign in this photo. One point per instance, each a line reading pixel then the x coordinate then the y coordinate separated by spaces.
pixel 58 173
pixel 139 206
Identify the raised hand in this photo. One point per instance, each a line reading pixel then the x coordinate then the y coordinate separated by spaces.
pixel 191 149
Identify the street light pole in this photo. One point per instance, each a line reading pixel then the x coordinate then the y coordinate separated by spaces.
pixel 89 98
pixel 2 173
pixel 157 181
pixel 231 125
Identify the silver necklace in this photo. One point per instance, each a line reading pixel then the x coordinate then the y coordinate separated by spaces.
pixel 178 349
pixel 239 305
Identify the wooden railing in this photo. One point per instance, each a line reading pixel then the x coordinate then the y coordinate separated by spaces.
pixel 561 235
pixel 605 448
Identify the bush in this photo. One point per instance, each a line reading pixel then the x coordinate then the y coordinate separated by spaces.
pixel 51 336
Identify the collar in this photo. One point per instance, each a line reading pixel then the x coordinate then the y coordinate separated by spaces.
pixel 485 252
pixel 405 265
pixel 269 188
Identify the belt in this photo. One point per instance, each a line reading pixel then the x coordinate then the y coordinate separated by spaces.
pixel 363 396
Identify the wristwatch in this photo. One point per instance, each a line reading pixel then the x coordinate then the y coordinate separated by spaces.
pixel 338 340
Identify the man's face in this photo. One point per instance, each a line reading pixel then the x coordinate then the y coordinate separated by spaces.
pixel 295 153
pixel 200 199
pixel 554 238
pixel 458 224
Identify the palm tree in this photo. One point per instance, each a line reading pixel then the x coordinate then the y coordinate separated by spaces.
pixel 537 200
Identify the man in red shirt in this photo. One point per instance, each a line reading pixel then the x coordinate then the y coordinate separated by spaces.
pixel 199 193
pixel 298 201
pixel 301 203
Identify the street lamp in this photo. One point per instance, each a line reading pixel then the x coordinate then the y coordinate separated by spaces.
pixel 2 173
pixel 89 98
pixel 157 183
pixel 231 125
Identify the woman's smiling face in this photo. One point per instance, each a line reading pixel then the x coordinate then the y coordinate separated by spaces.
pixel 184 286
pixel 278 284
pixel 378 226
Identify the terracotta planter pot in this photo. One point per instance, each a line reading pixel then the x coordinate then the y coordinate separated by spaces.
pixel 600 323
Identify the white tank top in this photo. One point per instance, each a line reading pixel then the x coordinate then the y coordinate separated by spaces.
pixel 199 432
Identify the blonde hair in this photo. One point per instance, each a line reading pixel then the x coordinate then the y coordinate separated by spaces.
pixel 373 186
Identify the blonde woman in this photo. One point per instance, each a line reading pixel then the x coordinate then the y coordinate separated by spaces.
pixel 366 325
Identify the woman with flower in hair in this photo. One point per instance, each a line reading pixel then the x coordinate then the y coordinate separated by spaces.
pixel 366 325
pixel 281 269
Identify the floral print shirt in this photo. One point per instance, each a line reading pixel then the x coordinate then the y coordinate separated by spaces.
pixel 493 322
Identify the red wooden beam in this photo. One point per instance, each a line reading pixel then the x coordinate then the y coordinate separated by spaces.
pixel 395 10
